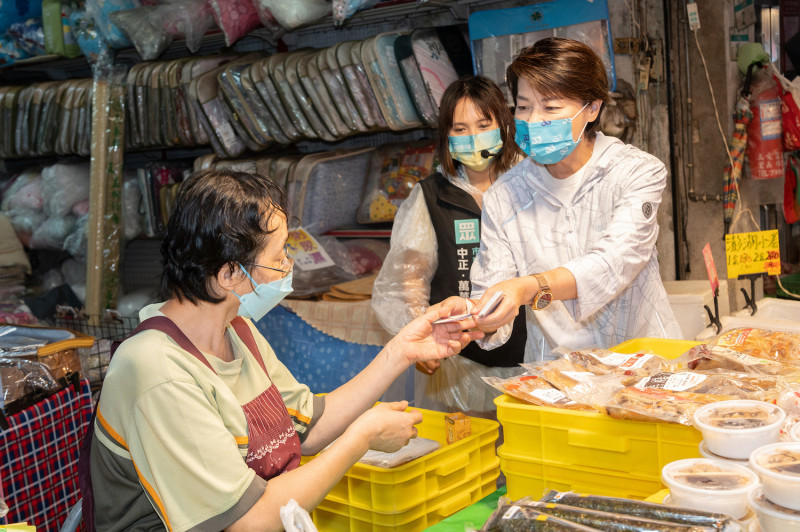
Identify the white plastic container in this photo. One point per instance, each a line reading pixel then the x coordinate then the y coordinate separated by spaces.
pixel 734 429
pixel 734 322
pixel 778 466
pixel 705 453
pixel 771 517
pixel 687 299
pixel 771 308
pixel 710 485
pixel 794 432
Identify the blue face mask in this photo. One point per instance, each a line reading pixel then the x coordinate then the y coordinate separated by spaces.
pixel 549 141
pixel 264 297
pixel 469 150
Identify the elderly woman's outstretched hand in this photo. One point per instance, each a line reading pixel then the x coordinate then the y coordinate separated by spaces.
pixel 422 339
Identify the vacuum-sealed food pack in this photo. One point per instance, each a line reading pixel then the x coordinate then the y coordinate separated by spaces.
pixel 394 170
pixel 535 390
pixel 709 358
pixel 630 367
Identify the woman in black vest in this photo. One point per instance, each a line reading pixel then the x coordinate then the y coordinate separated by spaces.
pixel 436 236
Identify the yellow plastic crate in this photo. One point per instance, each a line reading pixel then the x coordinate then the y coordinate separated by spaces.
pixel 590 452
pixel 337 517
pixel 417 485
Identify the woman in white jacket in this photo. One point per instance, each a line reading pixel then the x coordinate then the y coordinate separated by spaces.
pixel 571 231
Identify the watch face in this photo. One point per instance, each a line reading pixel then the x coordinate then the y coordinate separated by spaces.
pixel 543 300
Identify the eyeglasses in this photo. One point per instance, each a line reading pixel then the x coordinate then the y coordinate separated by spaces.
pixel 287 263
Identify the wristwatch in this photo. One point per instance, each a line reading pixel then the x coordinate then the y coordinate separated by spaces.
pixel 544 297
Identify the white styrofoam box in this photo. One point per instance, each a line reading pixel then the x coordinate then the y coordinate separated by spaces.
pixel 733 322
pixel 687 299
pixel 773 309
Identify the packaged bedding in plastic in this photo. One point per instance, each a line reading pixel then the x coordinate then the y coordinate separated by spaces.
pixel 302 70
pixel 334 80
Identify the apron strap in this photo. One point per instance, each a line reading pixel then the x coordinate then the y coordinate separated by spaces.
pixel 246 335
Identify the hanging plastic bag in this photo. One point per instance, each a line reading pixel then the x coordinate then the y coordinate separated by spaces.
pixel 91 42
pixel 764 133
pixel 790 96
pixel 100 11
pixel 63 186
pixel 236 18
pixel 344 9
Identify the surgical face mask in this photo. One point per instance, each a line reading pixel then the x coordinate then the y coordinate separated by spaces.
pixel 264 297
pixel 476 151
pixel 549 141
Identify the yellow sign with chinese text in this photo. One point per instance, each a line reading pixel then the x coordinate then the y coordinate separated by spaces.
pixel 756 252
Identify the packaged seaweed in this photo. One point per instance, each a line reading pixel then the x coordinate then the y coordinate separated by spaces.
pixel 514 518
pixel 644 509
pixel 611 521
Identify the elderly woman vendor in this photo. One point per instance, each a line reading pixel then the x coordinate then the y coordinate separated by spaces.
pixel 200 426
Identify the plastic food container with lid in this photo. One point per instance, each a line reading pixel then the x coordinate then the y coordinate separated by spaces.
pixel 778 465
pixel 771 517
pixel 710 485
pixel 705 453
pixel 794 432
pixel 734 429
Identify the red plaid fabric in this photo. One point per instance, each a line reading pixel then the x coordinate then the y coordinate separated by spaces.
pixel 39 469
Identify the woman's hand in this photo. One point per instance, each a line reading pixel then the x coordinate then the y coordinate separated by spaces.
pixel 516 293
pixel 422 340
pixel 387 426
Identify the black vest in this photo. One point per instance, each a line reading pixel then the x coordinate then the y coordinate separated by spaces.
pixel 456 221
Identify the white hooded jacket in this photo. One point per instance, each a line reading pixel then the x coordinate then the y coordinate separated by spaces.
pixel 606 238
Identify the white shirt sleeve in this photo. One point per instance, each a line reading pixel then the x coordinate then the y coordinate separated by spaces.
pixel 493 264
pixel 626 246
pixel 403 286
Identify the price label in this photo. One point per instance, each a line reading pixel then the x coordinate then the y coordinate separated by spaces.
pixel 306 251
pixel 756 252
pixel 710 268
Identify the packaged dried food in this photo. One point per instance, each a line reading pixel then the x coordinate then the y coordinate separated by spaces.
pixel 710 485
pixel 513 518
pixel 630 367
pixel 778 346
pixel 733 429
pixel 644 509
pixel 535 390
pixel 394 170
pixel 607 520
pixel 707 357
pixel 674 397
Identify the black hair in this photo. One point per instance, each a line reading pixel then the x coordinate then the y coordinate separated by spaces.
pixel 220 218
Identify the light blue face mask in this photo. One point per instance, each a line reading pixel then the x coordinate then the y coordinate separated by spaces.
pixel 264 297
pixel 476 151
pixel 548 141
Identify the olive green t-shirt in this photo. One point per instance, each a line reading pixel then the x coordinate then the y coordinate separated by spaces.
pixel 171 436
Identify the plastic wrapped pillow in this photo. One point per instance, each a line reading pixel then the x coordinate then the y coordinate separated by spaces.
pixel 76 242
pixel 236 18
pixel 18 11
pixel 10 52
pixel 64 185
pixel 145 29
pixel 293 14
pixel 52 232
pixel 24 221
pixel 91 42
pixel 24 193
pixel 268 20
pixel 100 10
pixel 29 36
pixel 344 9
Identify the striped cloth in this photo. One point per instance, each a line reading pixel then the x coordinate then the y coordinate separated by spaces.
pixel 39 464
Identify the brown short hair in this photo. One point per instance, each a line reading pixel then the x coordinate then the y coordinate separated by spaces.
pixel 561 68
pixel 488 98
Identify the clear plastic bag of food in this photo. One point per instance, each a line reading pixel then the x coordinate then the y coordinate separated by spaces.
pixel 711 358
pixel 674 397
pixel 577 382
pixel 535 390
pixel 779 346
pixel 630 367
